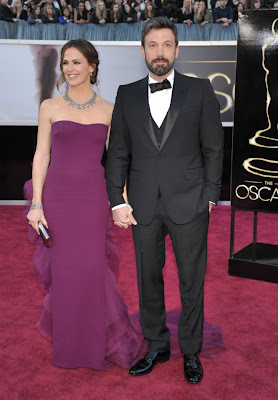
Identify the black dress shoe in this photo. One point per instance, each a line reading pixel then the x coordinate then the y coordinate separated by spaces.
pixel 146 364
pixel 193 370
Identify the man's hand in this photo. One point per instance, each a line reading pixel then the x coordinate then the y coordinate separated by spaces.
pixel 131 217
pixel 123 217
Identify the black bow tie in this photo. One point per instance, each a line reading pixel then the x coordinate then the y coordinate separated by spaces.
pixel 160 86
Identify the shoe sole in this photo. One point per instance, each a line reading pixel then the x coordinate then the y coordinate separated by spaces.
pixel 151 368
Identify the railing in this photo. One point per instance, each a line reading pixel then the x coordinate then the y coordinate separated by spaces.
pixel 110 32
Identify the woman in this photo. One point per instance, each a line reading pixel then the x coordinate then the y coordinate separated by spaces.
pixel 93 5
pixel 18 10
pixel 195 7
pixel 255 5
pixel 49 15
pixel 81 15
pixel 137 11
pixel 115 16
pixel 70 10
pixel 236 2
pixel 129 15
pixel 91 327
pixel 100 14
pixel 202 16
pixel 88 6
pixel 34 17
pixel 149 12
pixel 63 4
pixel 66 17
pixel 185 14
pixel 237 11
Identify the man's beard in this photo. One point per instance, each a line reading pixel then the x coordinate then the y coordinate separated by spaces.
pixel 160 70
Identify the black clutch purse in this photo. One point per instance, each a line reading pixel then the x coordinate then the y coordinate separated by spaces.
pixel 45 235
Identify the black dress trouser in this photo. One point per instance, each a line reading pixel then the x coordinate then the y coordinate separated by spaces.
pixel 190 248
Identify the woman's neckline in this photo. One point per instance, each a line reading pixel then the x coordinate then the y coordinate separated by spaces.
pixel 79 123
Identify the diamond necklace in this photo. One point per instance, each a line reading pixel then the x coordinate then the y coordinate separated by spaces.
pixel 79 106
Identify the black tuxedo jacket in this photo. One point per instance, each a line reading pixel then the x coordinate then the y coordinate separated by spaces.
pixel 187 167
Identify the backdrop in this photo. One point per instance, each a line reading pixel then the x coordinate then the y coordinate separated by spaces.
pixel 29 73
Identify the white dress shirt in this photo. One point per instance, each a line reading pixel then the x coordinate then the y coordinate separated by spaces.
pixel 160 101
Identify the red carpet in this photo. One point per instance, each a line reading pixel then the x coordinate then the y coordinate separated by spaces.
pixel 245 309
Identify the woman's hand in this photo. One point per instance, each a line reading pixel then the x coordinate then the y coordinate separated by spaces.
pixel 34 217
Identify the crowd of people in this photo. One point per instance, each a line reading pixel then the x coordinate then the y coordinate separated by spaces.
pixel 128 11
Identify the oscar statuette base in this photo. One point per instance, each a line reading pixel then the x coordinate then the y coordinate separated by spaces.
pixel 256 261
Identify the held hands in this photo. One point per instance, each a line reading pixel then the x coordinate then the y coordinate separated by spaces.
pixel 210 207
pixel 34 217
pixel 123 217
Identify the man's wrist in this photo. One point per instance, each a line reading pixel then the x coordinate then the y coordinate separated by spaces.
pixel 119 206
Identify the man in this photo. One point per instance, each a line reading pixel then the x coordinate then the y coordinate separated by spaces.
pixel 6 13
pixel 223 14
pixel 167 128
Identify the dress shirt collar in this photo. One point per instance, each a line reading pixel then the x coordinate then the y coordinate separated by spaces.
pixel 170 78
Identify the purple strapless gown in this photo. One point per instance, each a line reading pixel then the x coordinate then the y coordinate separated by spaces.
pixel 84 313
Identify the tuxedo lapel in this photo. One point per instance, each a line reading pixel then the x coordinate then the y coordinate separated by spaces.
pixel 143 105
pixel 178 99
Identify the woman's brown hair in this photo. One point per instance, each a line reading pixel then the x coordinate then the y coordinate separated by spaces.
pixel 112 12
pixel 88 51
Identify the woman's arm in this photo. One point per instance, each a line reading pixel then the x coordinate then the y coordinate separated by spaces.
pixel 198 17
pixel 40 164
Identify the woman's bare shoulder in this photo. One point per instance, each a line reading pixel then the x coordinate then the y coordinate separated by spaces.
pixel 49 104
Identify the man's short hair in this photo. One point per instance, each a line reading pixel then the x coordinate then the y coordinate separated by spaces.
pixel 159 23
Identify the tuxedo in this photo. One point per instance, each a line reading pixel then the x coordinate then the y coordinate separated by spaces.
pixel 173 172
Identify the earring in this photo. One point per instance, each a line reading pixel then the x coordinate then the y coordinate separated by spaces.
pixel 91 74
